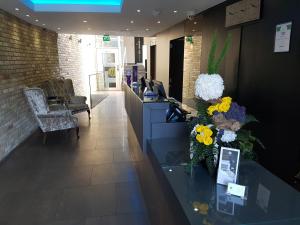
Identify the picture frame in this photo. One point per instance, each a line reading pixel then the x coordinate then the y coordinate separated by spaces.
pixel 283 35
pixel 228 165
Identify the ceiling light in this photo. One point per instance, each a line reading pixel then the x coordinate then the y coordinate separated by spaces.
pixel 127 29
pixel 158 21
pixel 175 11
pixel 195 22
pixel 105 6
pixel 17 9
pixel 44 24
pixel 138 10
pixel 147 29
pixel 28 15
pixel 36 20
pixel 85 21
pixel 194 30
pixel 131 21
pixel 58 28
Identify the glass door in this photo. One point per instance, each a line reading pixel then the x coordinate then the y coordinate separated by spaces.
pixel 110 65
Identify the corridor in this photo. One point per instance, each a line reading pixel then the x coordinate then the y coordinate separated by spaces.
pixel 92 181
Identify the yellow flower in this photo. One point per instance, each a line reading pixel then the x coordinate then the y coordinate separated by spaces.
pixel 211 109
pixel 200 128
pixel 200 138
pixel 204 134
pixel 202 208
pixel 227 100
pixel 224 107
pixel 207 132
pixel 208 141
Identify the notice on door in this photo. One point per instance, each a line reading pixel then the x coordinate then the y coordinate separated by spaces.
pixel 283 37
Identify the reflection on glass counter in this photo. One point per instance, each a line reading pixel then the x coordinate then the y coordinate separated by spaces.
pixel 269 200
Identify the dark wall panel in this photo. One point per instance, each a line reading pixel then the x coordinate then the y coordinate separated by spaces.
pixel 267 83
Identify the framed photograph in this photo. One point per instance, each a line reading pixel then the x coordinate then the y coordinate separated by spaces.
pixel 228 165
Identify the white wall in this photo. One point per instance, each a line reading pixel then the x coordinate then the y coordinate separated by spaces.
pixel 129 45
pixel 162 41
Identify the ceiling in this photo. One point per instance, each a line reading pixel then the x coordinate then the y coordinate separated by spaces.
pixel 129 22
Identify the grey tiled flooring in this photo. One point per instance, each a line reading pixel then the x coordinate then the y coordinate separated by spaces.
pixel 91 181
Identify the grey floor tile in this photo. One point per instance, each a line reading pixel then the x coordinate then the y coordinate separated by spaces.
pixel 92 201
pixel 66 181
pixel 120 219
pixel 129 198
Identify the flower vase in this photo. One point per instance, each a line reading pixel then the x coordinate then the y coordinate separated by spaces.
pixel 212 170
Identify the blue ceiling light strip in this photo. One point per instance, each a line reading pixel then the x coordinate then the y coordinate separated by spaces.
pixel 77 2
pixel 104 6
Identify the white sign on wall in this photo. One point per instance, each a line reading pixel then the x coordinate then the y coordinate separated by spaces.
pixel 283 37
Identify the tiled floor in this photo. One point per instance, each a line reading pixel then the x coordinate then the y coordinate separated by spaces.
pixel 92 181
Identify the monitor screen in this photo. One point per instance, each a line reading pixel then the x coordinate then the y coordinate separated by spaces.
pixel 158 87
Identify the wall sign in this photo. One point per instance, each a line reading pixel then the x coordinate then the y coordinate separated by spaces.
pixel 242 12
pixel 106 38
pixel 283 37
pixel 228 165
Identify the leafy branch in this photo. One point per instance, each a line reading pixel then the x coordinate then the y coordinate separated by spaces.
pixel 213 63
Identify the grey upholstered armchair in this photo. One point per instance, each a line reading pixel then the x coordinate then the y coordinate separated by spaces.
pixel 60 90
pixel 49 121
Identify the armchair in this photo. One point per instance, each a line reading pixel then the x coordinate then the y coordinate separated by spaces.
pixel 49 121
pixel 60 90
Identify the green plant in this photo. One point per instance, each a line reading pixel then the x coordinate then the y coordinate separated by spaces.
pixel 213 63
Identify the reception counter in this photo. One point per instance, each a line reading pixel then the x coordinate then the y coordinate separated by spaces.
pixel 193 197
pixel 148 117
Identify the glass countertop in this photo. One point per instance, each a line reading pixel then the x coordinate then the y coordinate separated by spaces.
pixel 269 201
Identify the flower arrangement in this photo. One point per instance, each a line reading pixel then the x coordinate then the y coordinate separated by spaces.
pixel 220 120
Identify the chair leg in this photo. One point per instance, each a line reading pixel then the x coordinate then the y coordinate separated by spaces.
pixel 77 132
pixel 45 138
pixel 89 113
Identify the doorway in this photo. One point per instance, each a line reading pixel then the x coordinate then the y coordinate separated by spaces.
pixel 176 68
pixel 153 62
pixel 109 65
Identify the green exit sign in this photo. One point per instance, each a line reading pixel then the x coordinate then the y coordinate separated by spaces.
pixel 106 38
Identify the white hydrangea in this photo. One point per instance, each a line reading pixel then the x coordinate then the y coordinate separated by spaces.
pixel 228 136
pixel 209 87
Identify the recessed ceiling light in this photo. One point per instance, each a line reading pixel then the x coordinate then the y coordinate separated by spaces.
pixel 17 9
pixel 131 21
pixel 58 28
pixel 195 22
pixel 194 30
pixel 158 21
pixel 147 29
pixel 138 10
pixel 127 29
pixel 175 11
pixel 28 15
pixel 85 21
pixel 36 20
pixel 44 24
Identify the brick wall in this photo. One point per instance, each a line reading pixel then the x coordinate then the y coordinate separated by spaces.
pixel 77 59
pixel 70 60
pixel 28 56
pixel 191 68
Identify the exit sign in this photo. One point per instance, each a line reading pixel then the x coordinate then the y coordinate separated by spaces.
pixel 106 38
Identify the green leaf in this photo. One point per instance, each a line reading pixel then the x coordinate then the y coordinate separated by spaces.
pixel 250 119
pixel 212 53
pixel 223 53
